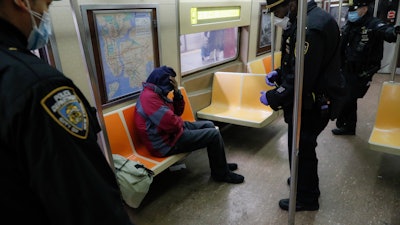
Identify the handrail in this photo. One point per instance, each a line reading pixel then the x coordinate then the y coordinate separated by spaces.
pixel 299 73
pixel 396 51
pixel 273 30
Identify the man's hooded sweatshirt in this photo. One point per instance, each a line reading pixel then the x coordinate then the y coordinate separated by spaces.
pixel 157 118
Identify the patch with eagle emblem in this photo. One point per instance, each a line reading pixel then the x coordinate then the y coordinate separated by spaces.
pixel 65 107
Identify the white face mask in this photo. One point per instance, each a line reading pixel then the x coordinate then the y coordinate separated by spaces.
pixel 282 22
pixel 39 36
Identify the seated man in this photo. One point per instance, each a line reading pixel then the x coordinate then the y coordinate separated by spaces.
pixel 162 130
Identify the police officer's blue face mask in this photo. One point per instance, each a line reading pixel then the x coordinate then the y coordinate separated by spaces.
pixel 353 16
pixel 39 36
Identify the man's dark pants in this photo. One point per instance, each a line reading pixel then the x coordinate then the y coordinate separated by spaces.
pixel 203 134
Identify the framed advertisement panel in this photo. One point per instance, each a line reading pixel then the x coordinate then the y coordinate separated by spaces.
pixel 264 31
pixel 123 48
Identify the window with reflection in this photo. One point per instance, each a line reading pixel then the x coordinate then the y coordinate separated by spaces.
pixel 333 8
pixel 206 49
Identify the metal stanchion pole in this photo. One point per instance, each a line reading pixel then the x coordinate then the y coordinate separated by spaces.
pixel 376 7
pixel 339 17
pixel 272 42
pixel 393 64
pixel 300 40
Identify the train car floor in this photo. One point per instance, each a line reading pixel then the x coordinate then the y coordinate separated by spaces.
pixel 358 186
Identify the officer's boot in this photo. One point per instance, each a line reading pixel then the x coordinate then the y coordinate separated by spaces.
pixel 346 129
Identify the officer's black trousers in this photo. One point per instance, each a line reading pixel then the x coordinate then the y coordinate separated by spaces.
pixel 312 124
pixel 348 118
pixel 358 87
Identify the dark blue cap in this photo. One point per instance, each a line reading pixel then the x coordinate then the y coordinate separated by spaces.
pixel 355 4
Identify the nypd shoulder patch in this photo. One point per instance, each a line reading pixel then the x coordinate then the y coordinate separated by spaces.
pixel 65 107
pixel 306 46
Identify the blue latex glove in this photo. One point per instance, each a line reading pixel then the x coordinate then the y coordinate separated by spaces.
pixel 263 98
pixel 271 77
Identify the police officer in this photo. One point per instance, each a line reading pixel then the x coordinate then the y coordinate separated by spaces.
pixel 361 54
pixel 52 169
pixel 320 52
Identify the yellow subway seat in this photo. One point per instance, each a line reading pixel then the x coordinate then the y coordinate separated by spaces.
pixel 385 134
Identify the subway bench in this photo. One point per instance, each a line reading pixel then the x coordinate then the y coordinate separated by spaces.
pixel 235 99
pixel 123 141
pixel 264 65
pixel 385 135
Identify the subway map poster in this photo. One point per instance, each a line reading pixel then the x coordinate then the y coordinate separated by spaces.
pixel 126 47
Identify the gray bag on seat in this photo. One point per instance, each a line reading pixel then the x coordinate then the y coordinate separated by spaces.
pixel 134 180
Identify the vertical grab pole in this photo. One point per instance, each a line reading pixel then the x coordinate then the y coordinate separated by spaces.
pixel 375 8
pixel 299 69
pixel 396 51
pixel 95 92
pixel 272 42
pixel 339 17
pixel 329 6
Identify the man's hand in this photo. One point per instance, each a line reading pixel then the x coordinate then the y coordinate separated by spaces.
pixel 263 98
pixel 173 83
pixel 271 78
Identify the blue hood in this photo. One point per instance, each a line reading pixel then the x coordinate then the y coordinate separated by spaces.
pixel 160 77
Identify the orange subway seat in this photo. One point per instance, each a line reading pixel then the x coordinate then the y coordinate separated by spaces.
pixel 267 61
pixel 123 141
pixel 119 140
pixel 129 114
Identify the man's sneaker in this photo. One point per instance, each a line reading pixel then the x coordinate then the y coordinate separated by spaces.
pixel 343 131
pixel 284 204
pixel 230 177
pixel 232 166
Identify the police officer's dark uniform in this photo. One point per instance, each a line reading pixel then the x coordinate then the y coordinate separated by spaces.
pixel 320 52
pixel 361 55
pixel 53 170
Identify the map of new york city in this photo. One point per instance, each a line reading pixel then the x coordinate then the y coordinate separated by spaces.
pixel 126 48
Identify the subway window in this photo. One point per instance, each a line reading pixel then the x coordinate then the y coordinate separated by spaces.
pixel 206 49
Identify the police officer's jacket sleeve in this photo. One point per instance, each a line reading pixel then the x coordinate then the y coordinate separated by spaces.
pixel 283 96
pixel 383 31
pixel 318 54
pixel 53 133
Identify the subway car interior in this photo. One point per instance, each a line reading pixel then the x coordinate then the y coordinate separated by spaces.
pixel 221 51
